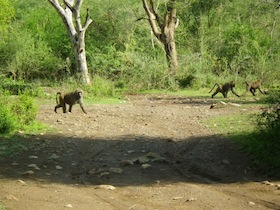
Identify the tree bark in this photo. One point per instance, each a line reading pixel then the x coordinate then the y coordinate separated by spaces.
pixel 164 31
pixel 70 15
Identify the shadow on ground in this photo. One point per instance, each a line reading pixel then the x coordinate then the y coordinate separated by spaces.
pixel 92 161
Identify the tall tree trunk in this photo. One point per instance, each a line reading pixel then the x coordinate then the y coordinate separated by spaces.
pixel 164 31
pixel 76 32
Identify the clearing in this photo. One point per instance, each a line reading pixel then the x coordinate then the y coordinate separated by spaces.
pixel 151 152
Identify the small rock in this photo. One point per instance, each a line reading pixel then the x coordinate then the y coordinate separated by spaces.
pixel 30 172
pixel 68 206
pixel 11 197
pixel 106 187
pixel 267 183
pixel 33 157
pixel 154 155
pixel 145 166
pixel 93 171
pixel 130 151
pixel 58 167
pixel 104 173
pixel 14 164
pixel 177 198
pixel 53 156
pixel 225 161
pixel 34 166
pixel 191 199
pixel 22 182
pixel 234 104
pixel 126 162
pixel 143 159
pixel 251 203
pixel 116 170
pixel 73 163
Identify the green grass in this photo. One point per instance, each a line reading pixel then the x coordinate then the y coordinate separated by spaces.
pixel 231 124
pixel 181 92
pixel 2 206
pixel 104 101
pixel 242 129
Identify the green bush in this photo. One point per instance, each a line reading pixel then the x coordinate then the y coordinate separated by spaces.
pixel 101 87
pixel 267 142
pixel 8 122
pixel 19 87
pixel 24 109
pixel 16 112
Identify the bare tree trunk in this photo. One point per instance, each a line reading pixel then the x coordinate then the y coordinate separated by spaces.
pixel 165 32
pixel 76 31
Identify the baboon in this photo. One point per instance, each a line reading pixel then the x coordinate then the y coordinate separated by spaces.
pixel 224 89
pixel 70 99
pixel 253 86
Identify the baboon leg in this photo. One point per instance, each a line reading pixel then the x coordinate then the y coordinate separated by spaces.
pixel 253 91
pixel 82 107
pixel 215 93
pixel 64 108
pixel 224 94
pixel 56 107
pixel 70 108
pixel 234 93
pixel 261 91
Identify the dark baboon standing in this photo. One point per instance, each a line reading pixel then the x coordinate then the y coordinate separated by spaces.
pixel 70 99
pixel 224 89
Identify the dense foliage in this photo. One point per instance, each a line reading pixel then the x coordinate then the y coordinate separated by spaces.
pixel 264 142
pixel 16 112
pixel 231 39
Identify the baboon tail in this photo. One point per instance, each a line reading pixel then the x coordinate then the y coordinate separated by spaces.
pixel 57 94
pixel 247 86
pixel 214 87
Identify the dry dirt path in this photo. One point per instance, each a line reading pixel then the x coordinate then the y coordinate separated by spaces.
pixel 149 153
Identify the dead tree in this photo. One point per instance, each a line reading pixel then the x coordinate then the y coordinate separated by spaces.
pixel 164 30
pixel 70 14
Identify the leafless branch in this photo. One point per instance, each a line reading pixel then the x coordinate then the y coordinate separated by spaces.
pixel 151 18
pixel 68 5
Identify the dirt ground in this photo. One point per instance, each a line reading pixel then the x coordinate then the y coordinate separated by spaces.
pixel 151 152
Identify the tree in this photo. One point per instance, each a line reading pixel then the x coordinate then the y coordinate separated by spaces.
pixel 164 30
pixel 6 14
pixel 76 31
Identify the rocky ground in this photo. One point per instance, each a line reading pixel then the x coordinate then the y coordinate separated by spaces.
pixel 151 152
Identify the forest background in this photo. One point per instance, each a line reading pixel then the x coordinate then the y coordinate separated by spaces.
pixel 216 41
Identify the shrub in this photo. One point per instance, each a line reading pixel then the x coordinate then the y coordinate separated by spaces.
pixel 101 87
pixel 267 145
pixel 8 122
pixel 18 87
pixel 24 109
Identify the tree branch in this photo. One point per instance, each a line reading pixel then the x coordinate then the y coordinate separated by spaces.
pixel 151 18
pixel 155 13
pixel 57 6
pixel 141 18
pixel 78 5
pixel 88 20
pixel 68 5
